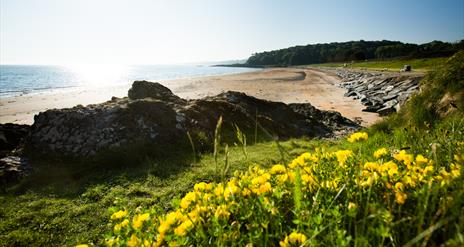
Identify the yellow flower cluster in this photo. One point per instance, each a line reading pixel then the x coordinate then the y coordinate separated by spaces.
pixel 404 172
pixel 118 215
pixel 358 136
pixel 253 199
pixel 294 239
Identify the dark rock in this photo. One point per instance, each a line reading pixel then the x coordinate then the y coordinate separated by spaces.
pixel 372 108
pixel 12 169
pixel 153 115
pixel 386 111
pixel 154 90
pixel 11 136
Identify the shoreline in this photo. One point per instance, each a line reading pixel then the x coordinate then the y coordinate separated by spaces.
pixel 288 85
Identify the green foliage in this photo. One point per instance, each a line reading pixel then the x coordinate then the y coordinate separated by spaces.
pixel 352 51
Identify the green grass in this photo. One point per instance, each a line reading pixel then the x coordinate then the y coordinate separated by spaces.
pixel 423 64
pixel 63 206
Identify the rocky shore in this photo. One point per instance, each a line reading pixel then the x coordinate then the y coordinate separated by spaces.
pixel 152 115
pixel 383 93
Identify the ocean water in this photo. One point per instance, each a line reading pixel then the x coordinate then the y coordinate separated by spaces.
pixel 32 79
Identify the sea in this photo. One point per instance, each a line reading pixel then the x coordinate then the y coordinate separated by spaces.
pixel 16 80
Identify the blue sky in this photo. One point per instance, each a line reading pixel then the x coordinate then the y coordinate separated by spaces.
pixel 166 32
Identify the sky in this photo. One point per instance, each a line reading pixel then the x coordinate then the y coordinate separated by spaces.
pixel 174 31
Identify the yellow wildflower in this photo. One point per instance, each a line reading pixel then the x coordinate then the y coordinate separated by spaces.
pixel 133 241
pixel 455 170
pixel 231 190
pixel 400 197
pixel 294 239
pixel 300 160
pixel 342 156
pixel 352 206
pixel 182 229
pixel 118 215
pixel 390 167
pixel 117 228
pixel 380 152
pixel 202 186
pixel 421 160
pixel 282 178
pixel 222 212
pixel 408 180
pixel 428 169
pixel 266 187
pixel 399 186
pixel 404 157
pixel 109 242
pixel 82 245
pixel 246 192
pixel 124 223
pixel 458 158
pixel 278 169
pixel 139 219
pixel 368 182
pixel 371 166
pixel 188 198
pixel 358 136
pixel 219 190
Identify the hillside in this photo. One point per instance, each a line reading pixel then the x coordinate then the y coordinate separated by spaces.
pixel 352 51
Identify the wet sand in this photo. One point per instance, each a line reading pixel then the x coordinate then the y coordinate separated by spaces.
pixel 288 85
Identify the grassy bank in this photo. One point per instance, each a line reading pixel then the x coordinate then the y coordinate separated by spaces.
pixel 422 65
pixel 401 185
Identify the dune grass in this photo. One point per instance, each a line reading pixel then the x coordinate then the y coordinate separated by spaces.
pixel 421 65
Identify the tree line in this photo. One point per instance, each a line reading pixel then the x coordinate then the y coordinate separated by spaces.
pixel 352 51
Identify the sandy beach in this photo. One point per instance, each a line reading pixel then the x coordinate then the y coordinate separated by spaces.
pixel 288 85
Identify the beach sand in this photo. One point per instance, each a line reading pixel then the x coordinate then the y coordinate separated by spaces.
pixel 288 85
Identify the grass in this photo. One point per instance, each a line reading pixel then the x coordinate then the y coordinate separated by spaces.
pixel 66 205
pixel 333 205
pixel 421 65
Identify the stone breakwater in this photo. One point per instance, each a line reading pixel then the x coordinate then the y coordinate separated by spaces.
pixel 379 92
pixel 153 114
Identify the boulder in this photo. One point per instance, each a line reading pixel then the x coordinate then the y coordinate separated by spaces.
pixel 12 169
pixel 146 89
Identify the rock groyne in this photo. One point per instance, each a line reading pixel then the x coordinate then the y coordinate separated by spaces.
pixel 383 93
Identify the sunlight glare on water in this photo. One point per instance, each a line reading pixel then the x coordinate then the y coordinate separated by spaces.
pixel 96 75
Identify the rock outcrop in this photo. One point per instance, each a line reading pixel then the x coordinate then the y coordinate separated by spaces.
pixel 11 136
pixel 153 114
pixel 12 166
pixel 379 92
